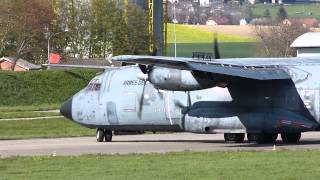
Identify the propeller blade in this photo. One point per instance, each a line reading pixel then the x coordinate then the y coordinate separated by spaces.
pixel 143 77
pixel 154 52
pixel 216 47
pixel 141 101
pixel 189 99
pixel 160 93
pixel 144 69
pixel 179 104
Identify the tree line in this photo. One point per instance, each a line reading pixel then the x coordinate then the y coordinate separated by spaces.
pixel 81 29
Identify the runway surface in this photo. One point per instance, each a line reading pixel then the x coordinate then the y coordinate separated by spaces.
pixel 147 143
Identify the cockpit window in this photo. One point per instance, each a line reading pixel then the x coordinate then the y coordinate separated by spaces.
pixel 94 85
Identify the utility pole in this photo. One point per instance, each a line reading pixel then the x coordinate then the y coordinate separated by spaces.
pixel 174 29
pixel 157 23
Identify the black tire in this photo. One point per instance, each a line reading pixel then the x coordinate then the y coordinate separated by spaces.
pixel 108 135
pixel 100 135
pixel 234 137
pixel 262 138
pixel 254 137
pixel 290 137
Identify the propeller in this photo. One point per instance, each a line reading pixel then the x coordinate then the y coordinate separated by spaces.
pixel 144 76
pixel 189 99
pixel 181 106
pixel 145 69
pixel 141 101
pixel 109 60
pixel 216 47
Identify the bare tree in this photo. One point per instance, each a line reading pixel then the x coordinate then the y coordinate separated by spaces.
pixel 275 41
pixel 23 26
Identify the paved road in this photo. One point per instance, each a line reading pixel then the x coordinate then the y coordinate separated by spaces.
pixel 147 143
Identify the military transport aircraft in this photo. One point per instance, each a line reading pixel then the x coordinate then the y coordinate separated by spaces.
pixel 262 97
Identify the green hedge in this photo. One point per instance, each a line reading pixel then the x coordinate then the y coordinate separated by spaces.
pixel 41 87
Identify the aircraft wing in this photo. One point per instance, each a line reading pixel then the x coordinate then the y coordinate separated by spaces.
pixel 250 68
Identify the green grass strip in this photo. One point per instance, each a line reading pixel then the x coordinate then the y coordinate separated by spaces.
pixel 26 114
pixel 186 165
pixel 42 128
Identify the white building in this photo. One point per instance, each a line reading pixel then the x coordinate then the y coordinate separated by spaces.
pixel 201 2
pixel 307 44
pixel 243 22
pixel 211 23
pixel 252 1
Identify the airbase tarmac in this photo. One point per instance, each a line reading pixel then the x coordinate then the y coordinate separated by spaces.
pixel 145 143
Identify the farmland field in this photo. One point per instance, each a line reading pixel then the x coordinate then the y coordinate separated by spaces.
pixel 227 50
pixel 192 39
pixel 293 10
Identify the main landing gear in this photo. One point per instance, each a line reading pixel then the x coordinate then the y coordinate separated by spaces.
pixel 262 138
pixel 290 137
pixel 102 134
pixel 234 137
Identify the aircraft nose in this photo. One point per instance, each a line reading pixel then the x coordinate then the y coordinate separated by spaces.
pixel 66 109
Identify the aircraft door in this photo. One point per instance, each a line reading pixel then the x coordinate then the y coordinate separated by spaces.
pixel 128 108
pixel 172 112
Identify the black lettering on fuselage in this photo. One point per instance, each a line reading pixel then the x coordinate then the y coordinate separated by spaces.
pixel 132 82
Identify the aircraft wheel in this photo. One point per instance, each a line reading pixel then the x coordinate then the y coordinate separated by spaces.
pixel 234 137
pixel 108 135
pixel 100 135
pixel 262 138
pixel 254 137
pixel 290 137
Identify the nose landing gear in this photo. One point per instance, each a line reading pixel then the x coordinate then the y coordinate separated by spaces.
pixel 102 134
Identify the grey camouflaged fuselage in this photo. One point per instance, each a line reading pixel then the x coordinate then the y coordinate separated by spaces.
pixel 111 101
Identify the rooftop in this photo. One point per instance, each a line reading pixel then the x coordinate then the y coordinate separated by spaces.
pixel 307 40
pixel 21 62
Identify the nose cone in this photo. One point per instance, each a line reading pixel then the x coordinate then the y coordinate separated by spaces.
pixel 66 109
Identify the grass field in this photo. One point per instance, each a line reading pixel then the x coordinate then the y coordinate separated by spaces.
pixel 186 165
pixel 26 114
pixel 40 89
pixel 42 128
pixel 187 34
pixel 293 10
pixel 196 40
pixel 24 108
pixel 227 50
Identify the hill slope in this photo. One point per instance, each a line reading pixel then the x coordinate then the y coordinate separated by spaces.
pixel 41 87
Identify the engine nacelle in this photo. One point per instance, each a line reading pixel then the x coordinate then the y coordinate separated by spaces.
pixel 177 80
pixel 213 125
